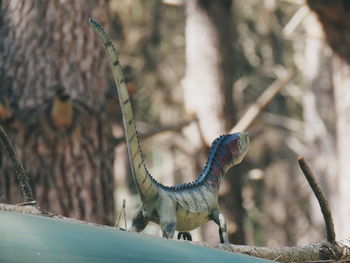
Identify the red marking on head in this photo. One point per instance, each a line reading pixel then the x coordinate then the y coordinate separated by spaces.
pixel 234 148
pixel 225 158
pixel 217 174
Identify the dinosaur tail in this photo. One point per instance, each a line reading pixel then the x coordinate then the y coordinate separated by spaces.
pixel 145 184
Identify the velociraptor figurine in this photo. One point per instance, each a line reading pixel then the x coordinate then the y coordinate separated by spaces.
pixel 182 207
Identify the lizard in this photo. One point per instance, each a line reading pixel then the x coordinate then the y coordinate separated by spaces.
pixel 182 207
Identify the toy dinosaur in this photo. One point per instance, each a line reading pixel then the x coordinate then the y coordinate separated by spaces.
pixel 182 207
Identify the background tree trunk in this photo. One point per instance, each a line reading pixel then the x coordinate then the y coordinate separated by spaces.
pixel 335 19
pixel 207 90
pixel 341 84
pixel 319 122
pixel 53 75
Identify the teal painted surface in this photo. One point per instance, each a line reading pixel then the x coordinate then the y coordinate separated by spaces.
pixel 29 238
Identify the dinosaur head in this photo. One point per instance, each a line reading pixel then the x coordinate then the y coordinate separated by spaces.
pixel 226 151
pixel 232 149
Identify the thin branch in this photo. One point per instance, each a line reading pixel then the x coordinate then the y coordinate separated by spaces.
pixel 295 20
pixel 282 121
pixel 152 132
pixel 120 215
pixel 253 111
pixel 21 174
pixel 171 127
pixel 326 211
pixel 295 2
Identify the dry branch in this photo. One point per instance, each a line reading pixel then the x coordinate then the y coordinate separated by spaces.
pixel 254 110
pixel 21 174
pixel 155 131
pixel 325 209
pixel 171 127
pixel 314 252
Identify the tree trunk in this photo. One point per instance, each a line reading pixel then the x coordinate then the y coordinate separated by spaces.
pixel 334 16
pixel 53 75
pixel 208 93
pixel 341 84
pixel 319 121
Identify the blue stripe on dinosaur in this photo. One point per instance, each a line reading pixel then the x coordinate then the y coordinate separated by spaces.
pixel 214 151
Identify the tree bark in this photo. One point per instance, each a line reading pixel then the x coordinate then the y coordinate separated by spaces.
pixel 53 75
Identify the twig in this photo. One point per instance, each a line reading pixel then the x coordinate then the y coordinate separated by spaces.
pixel 124 201
pixel 282 121
pixel 27 203
pixel 120 215
pixel 295 20
pixel 326 211
pixel 171 127
pixel 117 222
pixel 152 132
pixel 295 2
pixel 21 174
pixel 253 112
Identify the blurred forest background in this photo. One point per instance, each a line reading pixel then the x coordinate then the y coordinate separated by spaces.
pixel 194 68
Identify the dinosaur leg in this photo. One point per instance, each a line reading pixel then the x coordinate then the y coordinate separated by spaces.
pixel 139 221
pixel 185 236
pixel 219 219
pixel 167 219
pixel 168 228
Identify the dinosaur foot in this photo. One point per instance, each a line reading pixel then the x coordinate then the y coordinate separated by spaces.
pixel 184 235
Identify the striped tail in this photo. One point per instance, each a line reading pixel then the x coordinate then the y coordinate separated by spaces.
pixel 145 184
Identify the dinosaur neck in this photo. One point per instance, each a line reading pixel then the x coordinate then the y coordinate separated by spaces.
pixel 214 169
pixel 215 176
